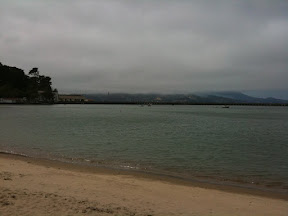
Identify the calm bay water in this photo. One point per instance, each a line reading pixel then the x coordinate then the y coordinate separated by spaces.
pixel 242 144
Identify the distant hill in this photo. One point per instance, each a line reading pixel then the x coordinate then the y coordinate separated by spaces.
pixel 240 97
pixel 198 98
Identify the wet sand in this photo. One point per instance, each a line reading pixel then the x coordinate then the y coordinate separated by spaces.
pixel 41 187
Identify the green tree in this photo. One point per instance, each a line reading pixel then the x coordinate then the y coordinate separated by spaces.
pixel 15 83
pixel 40 86
pixel 34 72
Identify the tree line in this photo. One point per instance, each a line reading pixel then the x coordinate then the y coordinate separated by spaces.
pixel 14 83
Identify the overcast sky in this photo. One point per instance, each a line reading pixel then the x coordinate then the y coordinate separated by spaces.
pixel 149 45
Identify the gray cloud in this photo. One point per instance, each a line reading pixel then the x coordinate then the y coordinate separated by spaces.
pixel 149 46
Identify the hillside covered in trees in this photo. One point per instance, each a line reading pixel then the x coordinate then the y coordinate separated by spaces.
pixel 34 88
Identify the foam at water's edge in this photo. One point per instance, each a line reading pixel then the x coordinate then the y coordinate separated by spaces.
pixel 13 153
pixel 152 174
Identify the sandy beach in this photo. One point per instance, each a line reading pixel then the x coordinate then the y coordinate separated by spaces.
pixel 38 187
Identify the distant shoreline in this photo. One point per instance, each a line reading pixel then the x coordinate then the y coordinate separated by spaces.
pixel 152 103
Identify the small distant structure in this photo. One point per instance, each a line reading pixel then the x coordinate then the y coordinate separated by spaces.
pixel 72 98
pixel 55 95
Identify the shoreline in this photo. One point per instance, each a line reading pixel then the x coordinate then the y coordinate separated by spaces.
pixel 41 187
pixel 152 103
pixel 230 187
pixel 32 186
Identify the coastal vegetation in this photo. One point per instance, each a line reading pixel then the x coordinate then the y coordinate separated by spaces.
pixel 33 88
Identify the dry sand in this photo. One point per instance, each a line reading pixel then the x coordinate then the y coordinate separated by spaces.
pixel 31 187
